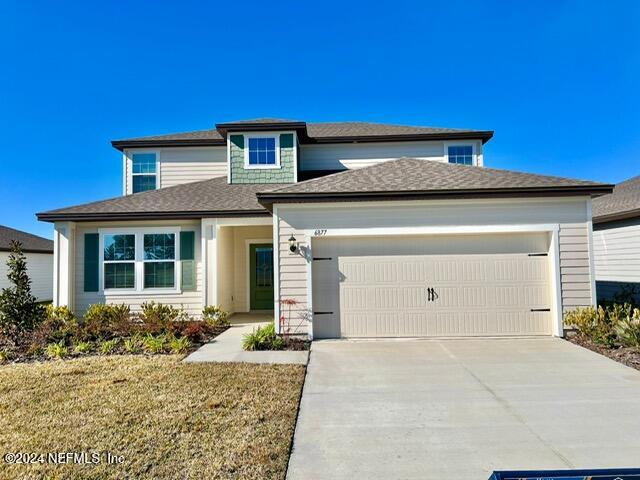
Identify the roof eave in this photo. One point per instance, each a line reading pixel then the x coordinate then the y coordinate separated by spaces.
pixel 268 199
pixel 299 127
pixel 614 217
pixel 484 135
pixel 190 142
pixel 29 250
pixel 177 215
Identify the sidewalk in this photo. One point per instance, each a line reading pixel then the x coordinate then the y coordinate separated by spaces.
pixel 227 347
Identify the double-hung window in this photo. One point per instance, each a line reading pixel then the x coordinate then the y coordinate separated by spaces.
pixel 460 154
pixel 119 261
pixel 159 260
pixel 262 152
pixel 143 171
pixel 143 259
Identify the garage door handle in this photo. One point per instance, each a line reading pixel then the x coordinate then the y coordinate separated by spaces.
pixel 540 309
pixel 431 294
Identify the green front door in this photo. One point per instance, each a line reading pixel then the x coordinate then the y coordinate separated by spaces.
pixel 261 281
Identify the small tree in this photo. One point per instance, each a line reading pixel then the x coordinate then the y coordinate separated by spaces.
pixel 19 310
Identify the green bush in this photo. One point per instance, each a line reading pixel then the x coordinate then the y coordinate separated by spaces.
pixel 59 325
pixel 628 328
pixel 57 350
pixel 19 310
pixel 83 347
pixel 597 325
pixel 133 344
pixel 215 316
pixel 179 345
pixel 108 346
pixel 153 344
pixel 5 355
pixel 263 338
pixel 104 321
pixel 161 314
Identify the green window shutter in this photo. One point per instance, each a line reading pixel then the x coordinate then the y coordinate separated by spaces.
pixel 237 140
pixel 187 260
pixel 91 262
pixel 286 140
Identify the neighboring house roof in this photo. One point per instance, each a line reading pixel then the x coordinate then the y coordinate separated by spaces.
pixel 214 197
pixel 325 132
pixel 401 179
pixel 30 243
pixel 622 204
pixel 413 178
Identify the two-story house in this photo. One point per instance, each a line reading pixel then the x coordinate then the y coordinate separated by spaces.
pixel 360 229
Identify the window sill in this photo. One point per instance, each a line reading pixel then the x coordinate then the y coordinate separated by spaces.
pixel 144 292
pixel 261 167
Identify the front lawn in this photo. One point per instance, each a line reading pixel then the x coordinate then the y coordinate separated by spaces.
pixel 167 419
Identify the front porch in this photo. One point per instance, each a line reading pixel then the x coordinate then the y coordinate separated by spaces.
pixel 238 261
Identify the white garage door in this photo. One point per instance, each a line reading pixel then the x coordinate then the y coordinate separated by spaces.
pixel 432 286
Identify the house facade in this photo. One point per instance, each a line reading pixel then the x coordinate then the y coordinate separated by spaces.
pixel 38 252
pixel 341 229
pixel 616 241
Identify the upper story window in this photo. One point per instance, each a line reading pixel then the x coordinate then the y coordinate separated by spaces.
pixel 460 154
pixel 262 152
pixel 143 172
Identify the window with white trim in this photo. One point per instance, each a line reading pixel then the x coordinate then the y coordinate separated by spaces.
pixel 119 261
pixel 143 171
pixel 460 154
pixel 262 152
pixel 140 259
pixel 159 260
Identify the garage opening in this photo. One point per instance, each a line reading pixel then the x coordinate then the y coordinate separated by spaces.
pixel 432 286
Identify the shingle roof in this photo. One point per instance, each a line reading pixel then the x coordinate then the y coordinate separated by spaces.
pixel 310 132
pixel 214 197
pixel 30 242
pixel 410 175
pixel 624 202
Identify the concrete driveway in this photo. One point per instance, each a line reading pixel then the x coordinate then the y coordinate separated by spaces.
pixel 461 409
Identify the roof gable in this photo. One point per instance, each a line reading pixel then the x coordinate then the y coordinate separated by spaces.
pixel 623 203
pixel 30 243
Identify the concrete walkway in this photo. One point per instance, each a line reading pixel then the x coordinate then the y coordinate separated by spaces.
pixel 227 347
pixel 462 409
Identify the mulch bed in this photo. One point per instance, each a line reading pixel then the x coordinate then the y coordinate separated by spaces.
pixel 296 343
pixel 625 355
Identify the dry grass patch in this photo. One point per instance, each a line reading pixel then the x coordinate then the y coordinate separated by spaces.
pixel 170 420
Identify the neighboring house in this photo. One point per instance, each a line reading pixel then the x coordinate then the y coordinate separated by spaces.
pixel 39 253
pixel 616 240
pixel 251 215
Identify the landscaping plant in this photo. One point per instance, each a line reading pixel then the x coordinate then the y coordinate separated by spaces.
pixel 83 347
pixel 628 328
pixel 57 350
pixel 19 310
pixel 263 338
pixel 153 344
pixel 179 345
pixel 108 346
pixel 215 316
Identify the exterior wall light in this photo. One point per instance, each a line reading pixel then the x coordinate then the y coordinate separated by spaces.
pixel 293 244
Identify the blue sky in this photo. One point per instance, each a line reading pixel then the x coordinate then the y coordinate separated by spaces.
pixel 557 81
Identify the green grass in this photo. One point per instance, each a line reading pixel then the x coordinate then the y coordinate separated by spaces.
pixel 168 419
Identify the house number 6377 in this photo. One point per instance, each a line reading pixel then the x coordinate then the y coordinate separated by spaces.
pixel 320 232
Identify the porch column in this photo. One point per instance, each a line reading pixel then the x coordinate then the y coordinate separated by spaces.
pixel 63 264
pixel 209 227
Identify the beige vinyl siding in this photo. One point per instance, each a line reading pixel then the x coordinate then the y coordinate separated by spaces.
pixel 617 252
pixel 185 165
pixel 338 156
pixel 570 214
pixel 40 270
pixel 574 265
pixel 191 301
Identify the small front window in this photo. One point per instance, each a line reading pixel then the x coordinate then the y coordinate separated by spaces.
pixel 143 172
pixel 461 154
pixel 119 261
pixel 159 260
pixel 262 151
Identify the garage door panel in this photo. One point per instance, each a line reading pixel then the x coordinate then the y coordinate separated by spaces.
pixel 386 295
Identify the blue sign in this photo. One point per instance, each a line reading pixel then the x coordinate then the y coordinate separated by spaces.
pixel 608 474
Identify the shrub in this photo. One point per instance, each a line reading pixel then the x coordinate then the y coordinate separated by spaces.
pixel 59 325
pixel 133 344
pixel 628 329
pixel 596 325
pixel 102 321
pixel 153 344
pixel 83 347
pixel 195 331
pixel 19 310
pixel 61 314
pixel 215 316
pixel 263 338
pixel 57 350
pixel 179 345
pixel 5 355
pixel 108 346
pixel 158 313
